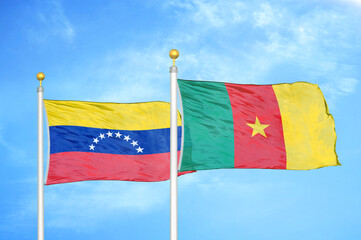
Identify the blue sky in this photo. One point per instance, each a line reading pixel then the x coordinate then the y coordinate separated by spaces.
pixel 118 51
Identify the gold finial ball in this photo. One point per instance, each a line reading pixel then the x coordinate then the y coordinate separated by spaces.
pixel 173 53
pixel 40 76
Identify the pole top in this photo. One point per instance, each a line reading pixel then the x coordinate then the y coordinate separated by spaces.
pixel 173 54
pixel 40 76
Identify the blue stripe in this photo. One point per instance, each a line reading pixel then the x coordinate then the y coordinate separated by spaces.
pixel 80 139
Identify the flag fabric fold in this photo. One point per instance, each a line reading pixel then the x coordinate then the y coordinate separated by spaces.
pixel 108 141
pixel 282 126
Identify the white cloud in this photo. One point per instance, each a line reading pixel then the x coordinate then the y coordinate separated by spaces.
pixel 356 3
pixel 83 205
pixel 306 41
pixel 267 16
pixel 290 38
pixel 313 44
pixel 13 151
pixel 348 85
pixel 338 87
pixel 53 22
pixel 135 75
pixel 211 13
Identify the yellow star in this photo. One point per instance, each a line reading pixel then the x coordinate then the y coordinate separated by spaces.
pixel 258 128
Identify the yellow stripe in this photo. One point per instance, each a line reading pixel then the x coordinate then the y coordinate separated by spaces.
pixel 122 116
pixel 308 128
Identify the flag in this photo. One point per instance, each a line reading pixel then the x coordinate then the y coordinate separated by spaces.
pixel 282 126
pixel 108 141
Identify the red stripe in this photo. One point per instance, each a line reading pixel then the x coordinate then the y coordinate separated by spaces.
pixel 249 101
pixel 81 166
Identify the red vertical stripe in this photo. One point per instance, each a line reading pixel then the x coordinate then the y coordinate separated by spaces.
pixel 249 102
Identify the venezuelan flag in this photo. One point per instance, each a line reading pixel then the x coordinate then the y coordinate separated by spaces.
pixel 108 141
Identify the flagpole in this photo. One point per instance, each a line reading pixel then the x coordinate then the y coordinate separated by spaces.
pixel 40 76
pixel 173 148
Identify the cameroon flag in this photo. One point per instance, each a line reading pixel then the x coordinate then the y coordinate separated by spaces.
pixel 282 126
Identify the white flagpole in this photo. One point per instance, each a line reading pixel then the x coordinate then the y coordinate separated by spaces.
pixel 173 148
pixel 40 76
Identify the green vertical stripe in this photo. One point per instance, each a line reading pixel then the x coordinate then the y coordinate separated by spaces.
pixel 208 126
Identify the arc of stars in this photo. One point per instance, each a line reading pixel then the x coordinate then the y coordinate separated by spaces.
pixel 117 135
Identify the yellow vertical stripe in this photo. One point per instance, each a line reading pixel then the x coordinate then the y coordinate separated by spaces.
pixel 120 116
pixel 308 128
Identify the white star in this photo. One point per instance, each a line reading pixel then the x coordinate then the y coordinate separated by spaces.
pixel 126 138
pixel 134 143
pixel 117 135
pixel 139 149
pixel 109 134
pixel 101 136
pixel 96 140
pixel 92 147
